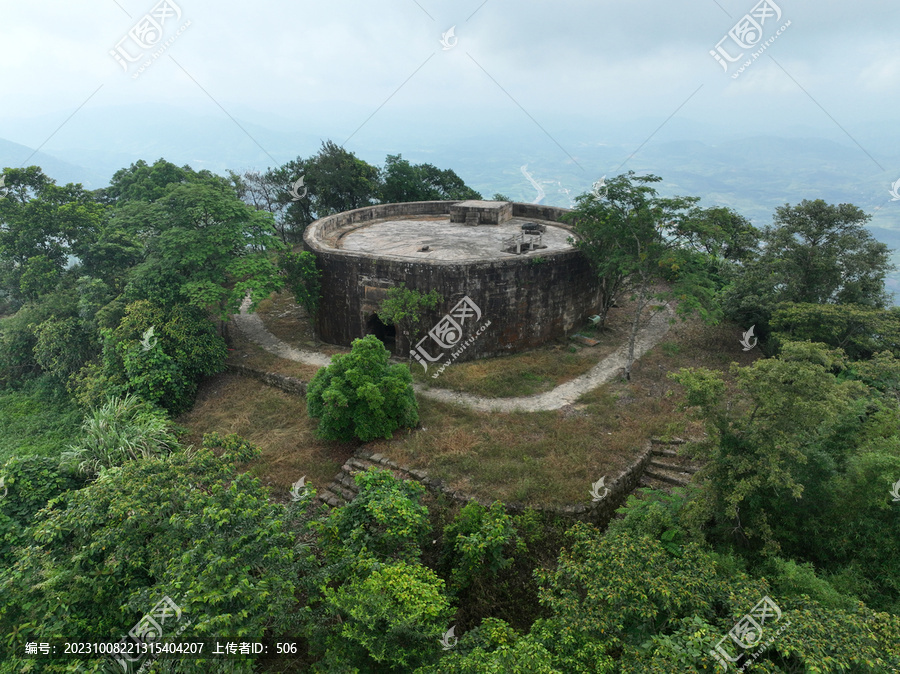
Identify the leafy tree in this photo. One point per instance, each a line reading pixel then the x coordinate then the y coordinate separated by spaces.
pixel 303 278
pixel 477 542
pixel 495 648
pixel 407 308
pixel 403 181
pixel 123 429
pixel 204 247
pixel 111 255
pixel 271 191
pixel 41 224
pixel 340 181
pixel 500 197
pixel 19 337
pixel 393 616
pixel 63 346
pixel 633 238
pixel 860 331
pixel 360 395
pixel 163 368
pixel 291 214
pixel 334 179
pixel 622 597
pixel 385 522
pixel 760 443
pixel 144 182
pixel 372 605
pixel 189 526
pixel 814 253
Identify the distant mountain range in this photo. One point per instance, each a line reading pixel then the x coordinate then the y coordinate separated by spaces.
pixel 752 174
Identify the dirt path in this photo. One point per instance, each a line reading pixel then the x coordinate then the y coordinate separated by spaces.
pixel 254 330
pixel 564 394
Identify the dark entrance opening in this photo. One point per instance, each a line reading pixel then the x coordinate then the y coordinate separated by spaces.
pixel 386 333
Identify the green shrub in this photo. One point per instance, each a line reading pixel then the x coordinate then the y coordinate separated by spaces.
pixel 360 395
pixel 495 648
pixel 393 616
pixel 385 521
pixel 29 483
pixel 162 366
pixel 477 542
pixel 303 279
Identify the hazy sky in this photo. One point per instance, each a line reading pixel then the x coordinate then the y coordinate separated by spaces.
pixel 564 75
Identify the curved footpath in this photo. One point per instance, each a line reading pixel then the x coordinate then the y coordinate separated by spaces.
pixel 252 327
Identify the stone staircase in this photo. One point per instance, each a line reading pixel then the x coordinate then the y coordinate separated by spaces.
pixel 663 470
pixel 472 218
pixel 666 469
pixel 343 488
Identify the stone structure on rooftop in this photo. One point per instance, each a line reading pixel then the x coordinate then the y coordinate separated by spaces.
pixel 507 287
pixel 481 212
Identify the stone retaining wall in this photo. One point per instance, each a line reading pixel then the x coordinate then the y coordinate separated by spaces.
pixel 283 382
pixel 599 513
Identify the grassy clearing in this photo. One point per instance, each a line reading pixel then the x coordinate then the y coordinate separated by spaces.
pixel 534 371
pixel 36 420
pixel 553 457
pixel 540 458
pixel 275 421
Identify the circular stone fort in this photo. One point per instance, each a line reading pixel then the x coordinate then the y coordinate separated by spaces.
pixel 509 277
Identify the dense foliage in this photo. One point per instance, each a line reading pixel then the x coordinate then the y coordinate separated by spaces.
pixel 111 301
pixel 188 525
pixel 361 395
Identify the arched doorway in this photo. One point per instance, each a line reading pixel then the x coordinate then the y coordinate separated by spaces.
pixel 386 333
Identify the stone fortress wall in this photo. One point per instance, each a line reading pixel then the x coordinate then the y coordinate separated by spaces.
pixel 528 299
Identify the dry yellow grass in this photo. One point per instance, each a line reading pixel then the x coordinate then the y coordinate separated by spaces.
pixel 539 458
pixel 553 457
pixel 275 421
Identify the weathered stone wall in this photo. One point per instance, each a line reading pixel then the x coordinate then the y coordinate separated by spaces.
pixel 280 381
pixel 528 300
pixel 599 513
